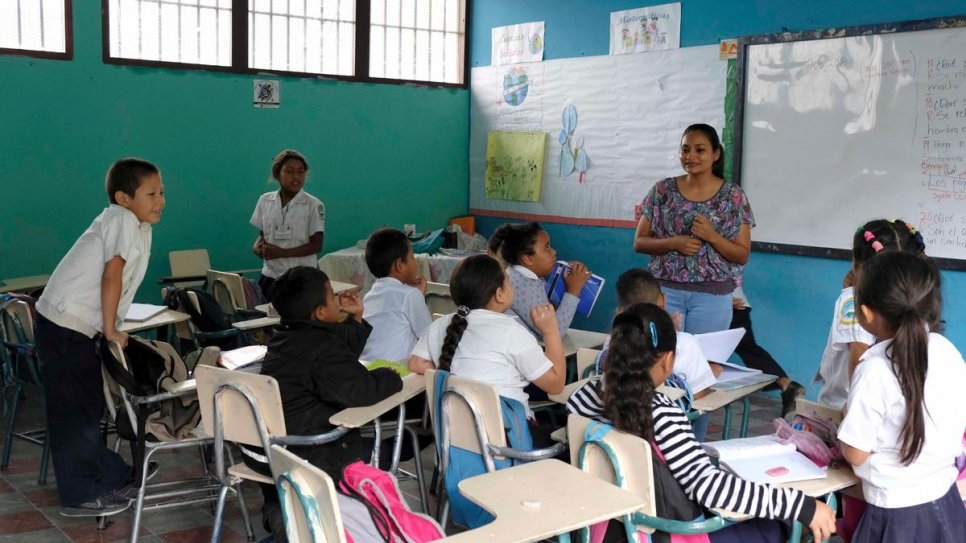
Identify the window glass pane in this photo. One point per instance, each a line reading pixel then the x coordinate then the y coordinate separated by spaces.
pixel 181 31
pixel 33 25
pixel 309 36
pixel 419 40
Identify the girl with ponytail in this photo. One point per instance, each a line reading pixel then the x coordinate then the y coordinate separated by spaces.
pixel 847 339
pixel 641 353
pixel 906 411
pixel 481 342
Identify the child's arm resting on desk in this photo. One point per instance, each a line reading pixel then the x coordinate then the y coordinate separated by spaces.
pixel 356 386
pixel 111 281
pixel 421 359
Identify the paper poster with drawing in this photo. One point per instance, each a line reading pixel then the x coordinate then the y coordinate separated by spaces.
pixel 517 43
pixel 514 165
pixel 645 29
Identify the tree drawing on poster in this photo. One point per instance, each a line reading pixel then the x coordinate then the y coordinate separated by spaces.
pixel 572 155
pixel 514 165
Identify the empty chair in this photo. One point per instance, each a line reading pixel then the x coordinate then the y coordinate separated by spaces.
pixel 189 263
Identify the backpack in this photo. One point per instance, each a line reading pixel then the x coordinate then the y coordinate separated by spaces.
pixel 379 492
pixel 464 464
pixel 153 365
pixel 209 319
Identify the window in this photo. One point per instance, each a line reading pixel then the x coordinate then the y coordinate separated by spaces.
pixel 311 36
pixel 421 40
pixel 39 28
pixel 353 40
pixel 178 31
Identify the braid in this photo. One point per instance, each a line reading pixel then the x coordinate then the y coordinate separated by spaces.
pixel 454 332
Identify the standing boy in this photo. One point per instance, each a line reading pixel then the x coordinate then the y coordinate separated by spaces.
pixel 87 296
pixel 396 304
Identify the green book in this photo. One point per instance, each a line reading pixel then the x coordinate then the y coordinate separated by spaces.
pixel 399 367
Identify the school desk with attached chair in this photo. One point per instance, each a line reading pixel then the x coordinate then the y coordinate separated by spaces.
pixel 338 287
pixel 725 398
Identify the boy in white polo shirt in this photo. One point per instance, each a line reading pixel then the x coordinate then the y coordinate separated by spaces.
pixel 396 304
pixel 88 295
pixel 290 221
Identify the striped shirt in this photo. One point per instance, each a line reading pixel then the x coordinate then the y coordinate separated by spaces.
pixel 703 482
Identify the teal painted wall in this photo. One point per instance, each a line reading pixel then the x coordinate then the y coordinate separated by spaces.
pixel 379 154
pixel 793 297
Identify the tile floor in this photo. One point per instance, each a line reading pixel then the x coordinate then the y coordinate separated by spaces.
pixel 29 512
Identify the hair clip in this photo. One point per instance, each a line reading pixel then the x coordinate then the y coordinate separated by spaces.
pixel 876 246
pixel 653 335
pixel 869 236
pixel 462 311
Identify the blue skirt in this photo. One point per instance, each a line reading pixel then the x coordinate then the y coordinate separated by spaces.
pixel 938 521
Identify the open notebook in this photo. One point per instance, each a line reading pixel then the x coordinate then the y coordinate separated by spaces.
pixel 717 347
pixel 143 312
pixel 764 459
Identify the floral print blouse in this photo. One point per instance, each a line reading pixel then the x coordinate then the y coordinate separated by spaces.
pixel 671 214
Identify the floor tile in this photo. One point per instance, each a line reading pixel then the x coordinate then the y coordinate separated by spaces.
pixel 42 497
pixel 118 530
pixel 202 535
pixel 14 502
pixel 23 521
pixel 50 535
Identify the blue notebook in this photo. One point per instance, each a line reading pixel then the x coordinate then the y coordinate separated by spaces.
pixel 588 296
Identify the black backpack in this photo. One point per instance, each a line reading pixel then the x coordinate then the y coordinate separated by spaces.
pixel 209 319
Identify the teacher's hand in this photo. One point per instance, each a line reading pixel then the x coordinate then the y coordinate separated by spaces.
pixel 703 229
pixel 686 245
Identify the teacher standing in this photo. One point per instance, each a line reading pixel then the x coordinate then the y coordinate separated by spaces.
pixel 697 229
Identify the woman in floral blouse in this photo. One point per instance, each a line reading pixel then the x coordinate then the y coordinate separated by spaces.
pixel 697 229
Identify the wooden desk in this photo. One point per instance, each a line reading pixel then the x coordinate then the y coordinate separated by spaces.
pixel 19 284
pixel 582 339
pixel 542 499
pixel 165 318
pixel 724 398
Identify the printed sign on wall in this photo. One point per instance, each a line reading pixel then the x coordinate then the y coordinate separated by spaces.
pixel 645 29
pixel 517 43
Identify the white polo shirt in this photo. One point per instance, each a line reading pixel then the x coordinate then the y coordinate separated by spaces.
pixel 398 315
pixel 875 417
pixel 833 372
pixel 72 298
pixel 288 226
pixel 495 349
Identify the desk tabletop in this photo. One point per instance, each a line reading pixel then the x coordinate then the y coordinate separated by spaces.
pixel 166 317
pixel 16 284
pixel 541 499
pixel 355 417
pixel 255 324
pixel 720 398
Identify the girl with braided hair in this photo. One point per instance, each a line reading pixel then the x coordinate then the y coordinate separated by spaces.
pixel 482 343
pixel 847 340
pixel 906 411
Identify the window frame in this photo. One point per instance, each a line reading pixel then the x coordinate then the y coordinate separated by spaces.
pixel 239 51
pixel 68 53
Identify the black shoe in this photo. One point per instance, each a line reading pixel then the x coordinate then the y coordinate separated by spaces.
pixel 109 504
pixel 793 391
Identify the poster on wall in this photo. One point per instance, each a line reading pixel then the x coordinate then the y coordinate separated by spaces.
pixel 517 43
pixel 267 93
pixel 514 165
pixel 653 28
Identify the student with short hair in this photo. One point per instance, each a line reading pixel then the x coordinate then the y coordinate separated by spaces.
pixel 86 297
pixel 396 304
pixel 526 251
pixel 906 412
pixel 290 221
pixel 315 359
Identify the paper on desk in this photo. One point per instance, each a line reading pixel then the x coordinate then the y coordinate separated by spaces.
pixel 243 356
pixel 143 312
pixel 718 346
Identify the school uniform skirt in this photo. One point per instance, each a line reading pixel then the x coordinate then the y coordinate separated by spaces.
pixel 938 521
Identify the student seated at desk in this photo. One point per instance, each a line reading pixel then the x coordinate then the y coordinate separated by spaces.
pixel 906 411
pixel 641 355
pixel 481 342
pixel 638 286
pixel 396 304
pixel 315 359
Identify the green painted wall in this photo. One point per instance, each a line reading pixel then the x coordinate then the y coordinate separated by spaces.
pixel 379 154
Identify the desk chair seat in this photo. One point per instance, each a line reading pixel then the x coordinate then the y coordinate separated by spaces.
pixel 309 500
pixel 245 408
pixel 229 290
pixel 161 495
pixel 20 368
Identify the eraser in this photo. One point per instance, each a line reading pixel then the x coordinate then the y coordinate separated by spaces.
pixel 777 471
pixel 530 504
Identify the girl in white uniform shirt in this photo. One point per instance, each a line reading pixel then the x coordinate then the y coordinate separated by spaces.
pixel 906 412
pixel 483 343
pixel 290 221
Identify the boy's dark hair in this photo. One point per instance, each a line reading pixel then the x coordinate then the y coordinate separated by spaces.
pixel 515 240
pixel 384 248
pixel 125 175
pixel 637 286
pixel 298 292
pixel 280 159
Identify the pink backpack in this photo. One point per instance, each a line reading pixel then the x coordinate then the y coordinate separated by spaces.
pixel 393 518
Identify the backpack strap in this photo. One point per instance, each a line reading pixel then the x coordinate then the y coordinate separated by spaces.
pixel 516 424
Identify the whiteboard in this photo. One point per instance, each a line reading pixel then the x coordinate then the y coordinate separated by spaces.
pixel 838 131
pixel 631 111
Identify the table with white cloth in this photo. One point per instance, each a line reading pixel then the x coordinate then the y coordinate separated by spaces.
pixel 350 265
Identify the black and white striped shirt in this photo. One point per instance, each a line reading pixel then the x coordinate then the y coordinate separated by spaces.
pixel 702 481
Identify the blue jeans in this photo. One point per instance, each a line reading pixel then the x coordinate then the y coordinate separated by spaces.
pixel 700 312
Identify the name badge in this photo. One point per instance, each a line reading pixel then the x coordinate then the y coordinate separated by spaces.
pixel 283 232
